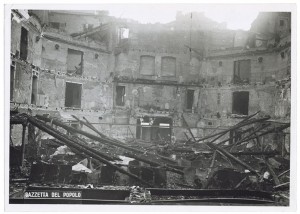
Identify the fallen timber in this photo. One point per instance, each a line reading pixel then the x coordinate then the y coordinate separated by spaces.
pixel 242 140
pixel 249 135
pixel 275 129
pixel 62 137
pixel 105 140
pixel 89 126
pixel 223 151
pixel 240 124
pixel 169 168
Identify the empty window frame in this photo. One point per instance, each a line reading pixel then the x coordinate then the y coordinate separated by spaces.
pixel 34 90
pixel 73 95
pixel 24 44
pixel 147 65
pixel 242 70
pixel 189 99
pixel 120 95
pixel 168 66
pixel 75 62
pixel 240 102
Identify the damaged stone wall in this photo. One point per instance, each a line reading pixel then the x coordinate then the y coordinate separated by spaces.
pixel 270 99
pixel 95 95
pixel 129 64
pixel 34 47
pixel 22 78
pixel 68 18
pixel 203 62
pixel 22 83
pixel 56 59
pixel 265 67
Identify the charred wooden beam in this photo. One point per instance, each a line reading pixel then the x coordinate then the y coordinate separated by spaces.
pixel 62 137
pixel 91 126
pixel 247 136
pixel 276 129
pixel 168 168
pixel 242 163
pixel 243 139
pixel 244 122
pixel 88 125
pixel 81 143
pixel 105 140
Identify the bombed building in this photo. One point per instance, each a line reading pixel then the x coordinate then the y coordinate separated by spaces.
pixel 115 105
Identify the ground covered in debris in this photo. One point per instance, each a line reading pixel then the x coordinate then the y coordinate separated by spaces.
pixel 252 155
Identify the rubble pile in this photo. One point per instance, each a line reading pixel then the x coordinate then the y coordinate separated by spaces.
pixel 251 155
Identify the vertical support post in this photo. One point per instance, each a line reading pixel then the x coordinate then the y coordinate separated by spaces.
pixel 23 142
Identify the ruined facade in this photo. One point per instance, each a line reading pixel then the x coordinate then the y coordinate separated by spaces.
pixel 144 81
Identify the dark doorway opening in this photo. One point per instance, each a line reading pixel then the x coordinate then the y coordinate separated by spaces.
pixel 154 129
pixel 189 99
pixel 120 97
pixel 240 102
pixel 24 44
pixel 34 91
pixel 73 95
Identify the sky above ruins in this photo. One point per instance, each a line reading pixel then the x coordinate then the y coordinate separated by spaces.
pixel 236 16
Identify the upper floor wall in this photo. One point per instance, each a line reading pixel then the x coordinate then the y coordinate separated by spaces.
pixel 240 67
pixel 72 21
pixel 74 60
pixel 272 24
pixel 25 37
